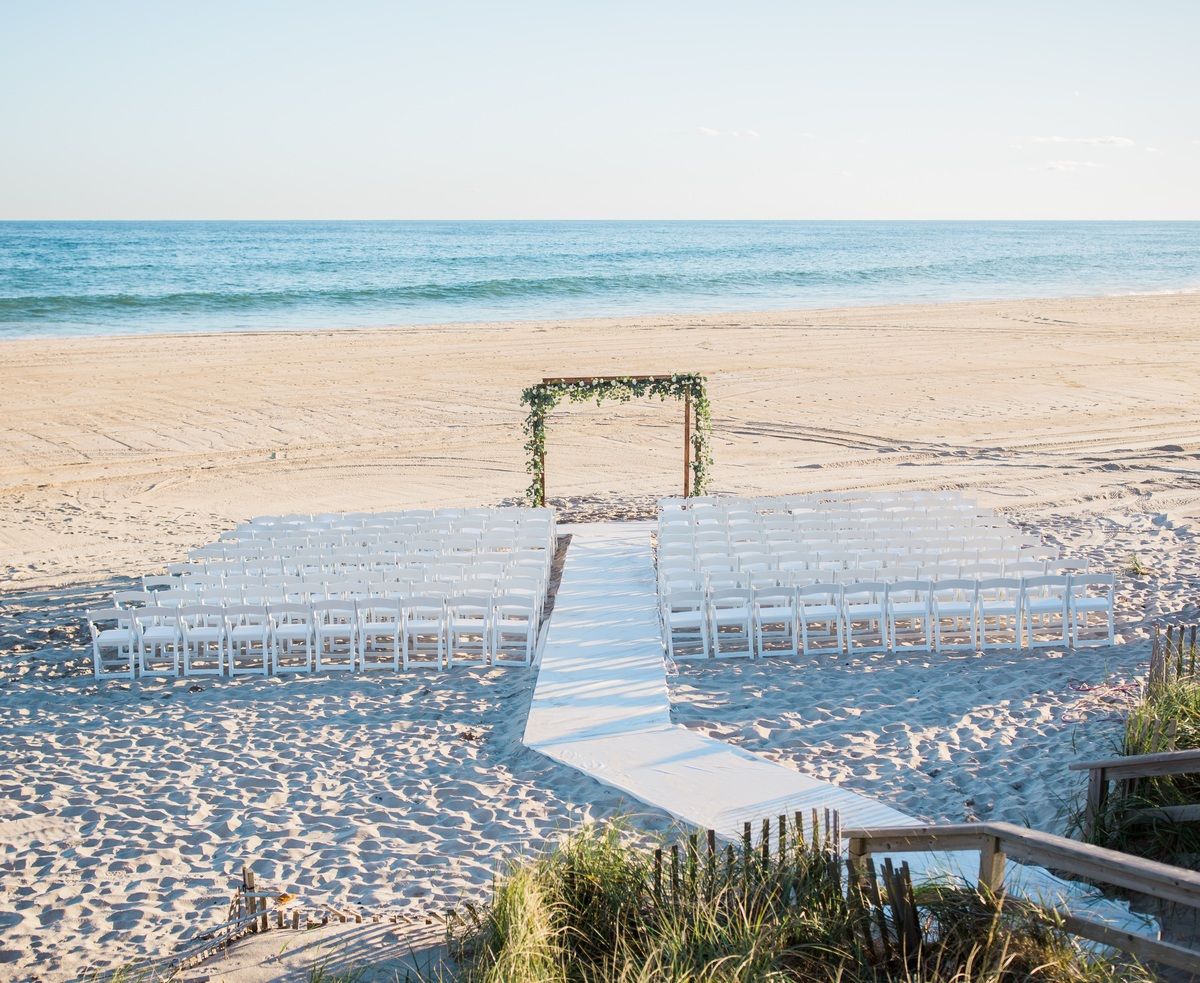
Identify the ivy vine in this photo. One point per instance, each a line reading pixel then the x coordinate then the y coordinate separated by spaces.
pixel 543 397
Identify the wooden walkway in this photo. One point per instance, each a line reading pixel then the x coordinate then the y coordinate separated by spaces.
pixel 601 706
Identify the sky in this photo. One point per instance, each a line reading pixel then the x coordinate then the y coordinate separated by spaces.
pixel 603 110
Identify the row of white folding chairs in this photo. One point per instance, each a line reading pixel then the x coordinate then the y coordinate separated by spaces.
pixel 813 500
pixel 512 512
pixel 674 579
pixel 915 547
pixel 372 565
pixel 336 563
pixel 899 533
pixel 874 616
pixel 817 516
pixel 446 527
pixel 429 569
pixel 1008 561
pixel 797 525
pixel 376 542
pixel 373 632
pixel 163 592
pixel 286 563
pixel 539 529
pixel 838 512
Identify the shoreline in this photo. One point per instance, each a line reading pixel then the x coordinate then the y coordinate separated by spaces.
pixel 584 320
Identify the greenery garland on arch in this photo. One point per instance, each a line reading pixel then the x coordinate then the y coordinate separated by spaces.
pixel 543 397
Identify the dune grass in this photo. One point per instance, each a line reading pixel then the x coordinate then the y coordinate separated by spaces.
pixel 1167 717
pixel 595 909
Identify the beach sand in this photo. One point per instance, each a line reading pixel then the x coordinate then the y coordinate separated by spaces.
pixel 119 453
pixel 127 810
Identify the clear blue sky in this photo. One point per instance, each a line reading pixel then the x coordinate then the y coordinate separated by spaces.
pixel 347 109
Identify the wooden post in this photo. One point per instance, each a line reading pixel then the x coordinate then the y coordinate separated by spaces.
pixel 991 866
pixel 542 476
pixel 1097 794
pixel 687 446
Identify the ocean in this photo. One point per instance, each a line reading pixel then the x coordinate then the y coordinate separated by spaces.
pixel 65 278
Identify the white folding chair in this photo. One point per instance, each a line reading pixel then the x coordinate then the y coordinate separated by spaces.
pixel 865 604
pixel 291 638
pixel 247 639
pixel 380 636
pixel 775 623
pixel 514 630
pixel 159 638
pixel 203 627
pixel 955 615
pixel 910 615
pixel 685 624
pixel 731 617
pixel 424 624
pixel 1044 611
pixel 130 599
pixel 1092 593
pixel 999 614
pixel 119 638
pixel 819 611
pixel 335 631
pixel 468 627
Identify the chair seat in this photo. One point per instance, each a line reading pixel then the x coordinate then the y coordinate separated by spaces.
pixel 424 624
pixel 1090 604
pixel 114 636
pixel 205 634
pixel 815 612
pixel 685 619
pixel 292 632
pixel 908 608
pixel 731 614
pixel 161 633
pixel 775 614
pixel 954 608
pixel 248 633
pixel 381 627
pixel 998 608
pixel 1040 604
pixel 864 610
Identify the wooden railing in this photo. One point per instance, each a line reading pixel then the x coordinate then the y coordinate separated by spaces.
pixel 997 842
pixel 1128 770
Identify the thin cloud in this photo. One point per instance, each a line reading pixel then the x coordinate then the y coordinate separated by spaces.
pixel 1108 141
pixel 1070 165
pixel 708 131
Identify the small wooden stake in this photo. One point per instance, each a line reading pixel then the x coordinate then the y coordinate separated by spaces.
pixel 674 873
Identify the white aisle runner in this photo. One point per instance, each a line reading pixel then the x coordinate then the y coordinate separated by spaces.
pixel 601 706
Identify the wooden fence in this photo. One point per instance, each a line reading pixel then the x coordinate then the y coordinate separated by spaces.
pixel 1128 770
pixel 997 842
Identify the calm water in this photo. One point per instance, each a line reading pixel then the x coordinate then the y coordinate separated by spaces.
pixel 124 277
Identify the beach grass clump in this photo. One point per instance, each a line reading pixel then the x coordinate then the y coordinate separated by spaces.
pixel 1166 717
pixel 597 909
pixel 1134 567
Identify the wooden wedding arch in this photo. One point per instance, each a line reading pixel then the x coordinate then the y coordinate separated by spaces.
pixel 691 387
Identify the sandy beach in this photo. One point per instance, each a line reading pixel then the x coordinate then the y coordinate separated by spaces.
pixel 126 809
pixel 119 453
